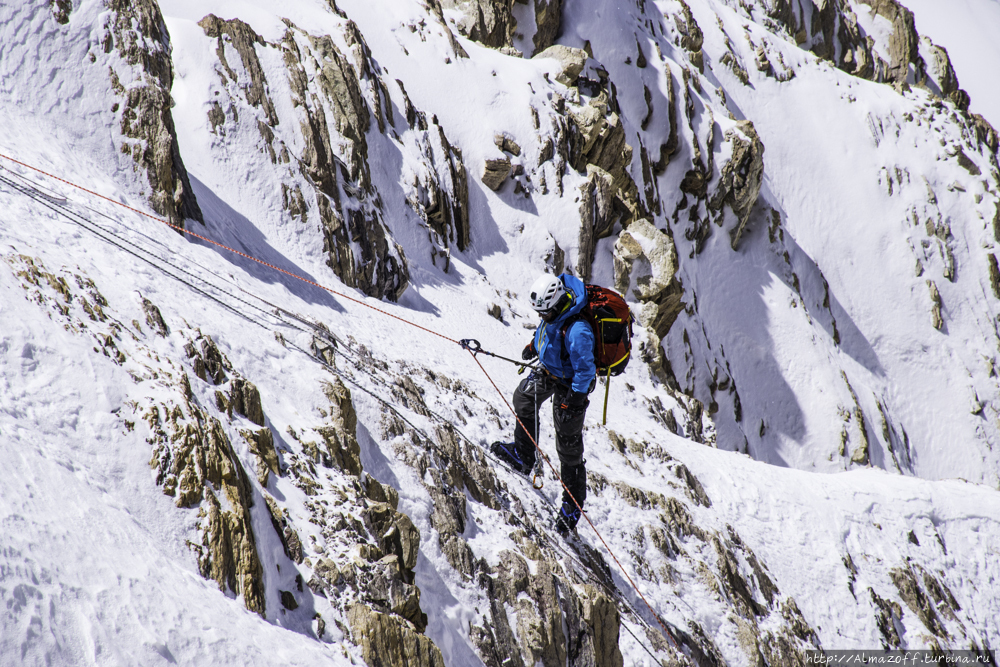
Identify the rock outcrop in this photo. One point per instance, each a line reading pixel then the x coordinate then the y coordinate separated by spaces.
pixel 340 434
pixel 489 22
pixel 387 641
pixel 598 147
pixel 441 190
pixel 548 24
pixel 195 464
pixel 571 62
pixel 645 261
pixel 333 118
pixel 495 172
pixel 135 31
pixel 741 176
pixel 834 33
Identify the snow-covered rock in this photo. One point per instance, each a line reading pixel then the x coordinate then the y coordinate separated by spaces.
pixel 235 448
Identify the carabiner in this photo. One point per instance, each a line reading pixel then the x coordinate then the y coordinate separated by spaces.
pixel 470 344
pixel 538 481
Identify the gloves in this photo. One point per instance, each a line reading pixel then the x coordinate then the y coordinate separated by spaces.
pixel 529 351
pixel 573 404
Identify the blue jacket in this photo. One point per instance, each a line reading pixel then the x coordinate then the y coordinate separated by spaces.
pixel 569 356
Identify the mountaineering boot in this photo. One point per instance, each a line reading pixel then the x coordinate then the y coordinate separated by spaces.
pixel 507 452
pixel 567 518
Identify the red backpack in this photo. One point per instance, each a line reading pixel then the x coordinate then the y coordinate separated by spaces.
pixel 611 320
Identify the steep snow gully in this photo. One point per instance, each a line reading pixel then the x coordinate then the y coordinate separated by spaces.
pixel 228 445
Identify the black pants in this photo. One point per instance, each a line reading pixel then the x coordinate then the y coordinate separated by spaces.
pixel 528 398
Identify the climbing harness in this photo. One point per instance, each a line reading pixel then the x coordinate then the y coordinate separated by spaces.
pixel 471 345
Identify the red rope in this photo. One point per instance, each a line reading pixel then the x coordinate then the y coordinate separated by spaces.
pixel 578 506
pixel 232 250
pixel 383 312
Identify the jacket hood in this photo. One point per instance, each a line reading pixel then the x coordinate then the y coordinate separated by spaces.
pixel 575 287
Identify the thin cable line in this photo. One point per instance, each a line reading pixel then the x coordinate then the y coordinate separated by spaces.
pixel 383 312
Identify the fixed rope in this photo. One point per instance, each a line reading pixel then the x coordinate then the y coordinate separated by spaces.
pixel 178 228
pixel 472 352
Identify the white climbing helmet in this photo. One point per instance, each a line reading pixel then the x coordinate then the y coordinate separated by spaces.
pixel 546 292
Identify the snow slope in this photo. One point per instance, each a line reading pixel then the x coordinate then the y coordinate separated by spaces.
pixel 964 28
pixel 821 324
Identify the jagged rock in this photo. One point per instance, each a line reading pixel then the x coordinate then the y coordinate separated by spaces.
pixel 339 84
pixel 496 641
pixel 381 493
pixel 435 9
pixel 245 400
pixel 677 518
pixel 243 39
pixel 571 62
pixel 495 172
pixel 262 447
pixel 385 585
pixel 636 497
pixel 138 33
pixel 598 138
pixel 441 190
pixel 380 268
pixel 692 37
pixel 915 598
pixel 888 615
pixel 540 619
pixel 903 41
pixel 388 641
pixel 489 22
pixel 153 318
pixel 459 554
pixel 230 552
pixel 512 576
pixel 939 68
pixel 195 460
pixel 325 94
pixel 579 634
pixel 548 24
pixel 410 395
pixel 994 269
pixel 597 144
pixel 941 594
pixel 328 572
pixel 507 144
pixel 695 490
pixel 834 34
pixel 396 535
pixel 448 517
pixel 741 177
pixel 936 320
pixel 986 134
pixel 602 615
pixel 474 472
pixel 965 162
pixel 340 436
pixel 288 600
pixel 736 587
pixel 61 9
pixel 656 287
pixel 597 216
pixel 208 362
pixel 290 542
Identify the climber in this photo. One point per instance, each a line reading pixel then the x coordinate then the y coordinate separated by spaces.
pixel 564 345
